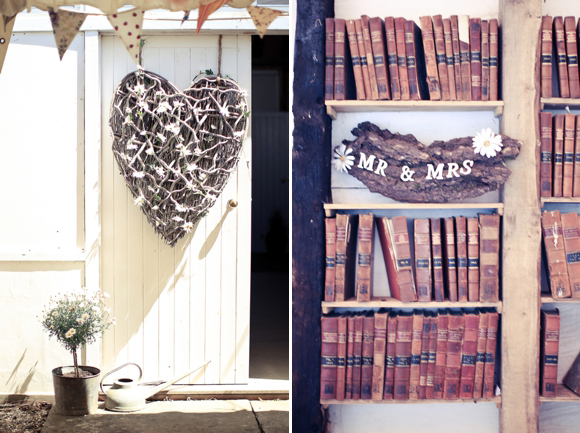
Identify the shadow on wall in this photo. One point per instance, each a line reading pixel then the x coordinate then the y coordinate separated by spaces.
pixel 22 386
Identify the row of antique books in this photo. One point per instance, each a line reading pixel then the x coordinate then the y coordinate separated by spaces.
pixel 385 355
pixel 561 233
pixel 563 49
pixel 451 59
pixel 549 342
pixel 455 258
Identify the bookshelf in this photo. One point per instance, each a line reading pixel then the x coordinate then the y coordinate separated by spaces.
pixel 387 302
pixel 559 103
pixel 496 400
pixel 331 208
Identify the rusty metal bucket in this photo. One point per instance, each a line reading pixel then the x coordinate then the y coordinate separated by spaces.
pixel 75 395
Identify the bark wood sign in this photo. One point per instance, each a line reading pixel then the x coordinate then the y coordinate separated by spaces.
pixel 400 167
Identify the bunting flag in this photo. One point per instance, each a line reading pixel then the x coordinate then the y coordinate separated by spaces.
pixel 5 34
pixel 262 17
pixel 65 26
pixel 205 10
pixel 128 26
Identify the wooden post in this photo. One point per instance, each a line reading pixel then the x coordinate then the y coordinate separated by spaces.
pixel 520 26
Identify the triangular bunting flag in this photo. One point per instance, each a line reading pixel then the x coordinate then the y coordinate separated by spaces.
pixel 5 34
pixel 205 10
pixel 65 26
pixel 262 17
pixel 128 26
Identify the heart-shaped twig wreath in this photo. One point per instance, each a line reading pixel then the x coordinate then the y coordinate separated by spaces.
pixel 177 150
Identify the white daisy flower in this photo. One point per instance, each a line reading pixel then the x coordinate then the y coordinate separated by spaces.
pixel 85 316
pixel 161 137
pixel 150 151
pixel 140 200
pixel 197 151
pixel 178 219
pixel 95 308
pixel 163 107
pixel 191 167
pixel 159 93
pixel 127 110
pixel 342 160
pixel 70 333
pixel 156 208
pixel 180 208
pixel 131 146
pixel 160 171
pixel 80 321
pixel 173 128
pixel 127 120
pixel 224 111
pixel 183 150
pixel 178 104
pixel 486 143
pixel 138 174
pixel 187 227
pixel 139 89
pixel 143 104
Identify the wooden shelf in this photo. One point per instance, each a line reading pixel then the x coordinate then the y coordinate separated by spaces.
pixel 560 200
pixel 496 400
pixel 563 395
pixel 545 298
pixel 334 107
pixel 331 208
pixel 559 103
pixel 395 303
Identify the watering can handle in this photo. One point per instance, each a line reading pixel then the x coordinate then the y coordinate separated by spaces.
pixel 118 368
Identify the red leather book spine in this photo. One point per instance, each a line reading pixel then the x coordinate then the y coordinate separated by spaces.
pixel 349 358
pixel 449 58
pixel 402 58
pixel 403 356
pixel 475 49
pixel 386 237
pixel 546 68
pixel 561 57
pixel 438 282
pixel 424 357
pixel 380 343
pixel 416 343
pixel 441 354
pixel 430 59
pixel 412 61
pixel 388 393
pixel 405 278
pixel 357 362
pixel 367 357
pixel 464 56
pixel 363 59
pixel 469 355
pixel 341 358
pixel 329 61
pixel 456 56
pixel 480 359
pixel 339 60
pixel 489 258
pixel 379 57
pixel 370 59
pixel 576 182
pixel 461 242
pixel 453 362
pixel 330 225
pixel 422 259
pixel 550 332
pixel 556 254
pixel 441 57
pixel 473 259
pixel 365 257
pixel 484 60
pixel 450 259
pixel 571 231
pixel 329 357
pixel 546 155
pixel 430 388
pixel 572 56
pixel 392 58
pixel 558 157
pixel 490 347
pixel 355 57
pixel 346 229
pixel 493 60
pixel 568 170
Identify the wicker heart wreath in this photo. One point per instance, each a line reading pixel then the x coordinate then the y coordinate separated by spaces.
pixel 177 150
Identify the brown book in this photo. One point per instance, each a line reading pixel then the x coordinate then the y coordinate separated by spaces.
pixel 368 347
pixel 416 346
pixel 480 359
pixel 456 56
pixel 475 50
pixel 364 269
pixel 363 59
pixel 473 259
pixel 424 356
pixel 558 156
pixel 437 252
pixel 576 181
pixel 355 58
pixel 346 228
pixel 490 348
pixel 357 360
pixel 546 68
pixel 438 32
pixel 370 59
pixel 349 358
pixel 430 388
pixel 469 354
pixel 414 60
pixel 461 243
pixel 568 169
pixel 329 357
pixel 341 358
pixel 484 60
pixel 394 239
pixel 430 59
pixel 422 259
pixel 489 247
pixel 464 57
pixel 330 225
pixel 329 61
pixel 379 57
pixel 493 60
pixel 572 56
pixel 390 356
pixel 450 260
pixel 571 234
pixel 561 57
pixel 380 344
pixel 441 354
pixel 550 336
pixel 339 59
pixel 546 155
pixel 453 362
pixel 449 59
pixel 572 378
pixel 402 58
pixel 392 58
pixel 403 355
pixel 556 254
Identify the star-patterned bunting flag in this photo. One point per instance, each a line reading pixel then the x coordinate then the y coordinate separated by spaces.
pixel 262 17
pixel 65 26
pixel 128 26
pixel 5 34
pixel 205 10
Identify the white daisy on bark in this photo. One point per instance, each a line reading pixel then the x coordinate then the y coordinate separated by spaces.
pixel 486 143
pixel 342 160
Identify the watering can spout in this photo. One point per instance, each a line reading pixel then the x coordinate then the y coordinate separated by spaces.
pixel 156 389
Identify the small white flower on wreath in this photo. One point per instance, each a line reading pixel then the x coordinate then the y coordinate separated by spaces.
pixel 173 128
pixel 163 107
pixel 139 200
pixel 486 143
pixel 342 160
pixel 187 227
pixel 139 89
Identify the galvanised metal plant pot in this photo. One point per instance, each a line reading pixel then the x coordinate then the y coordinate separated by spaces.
pixel 75 395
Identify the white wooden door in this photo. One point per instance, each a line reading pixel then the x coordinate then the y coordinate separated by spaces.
pixel 177 307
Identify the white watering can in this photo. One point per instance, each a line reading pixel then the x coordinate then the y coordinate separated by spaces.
pixel 124 396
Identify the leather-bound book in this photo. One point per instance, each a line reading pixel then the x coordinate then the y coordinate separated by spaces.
pixel 480 358
pixel 414 59
pixel 572 377
pixel 403 355
pixel 437 252
pixel 454 347
pixel 549 342
pixel 571 233
pixel 424 356
pixel 469 354
pixel 329 61
pixel 379 355
pixel 346 230
pixel 556 254
pixel 464 57
pixel 450 260
pixel 473 259
pixel 546 155
pixel 416 346
pixel 330 225
pixel 363 59
pixel 349 358
pixel 422 259
pixel 379 57
pixel 572 56
pixel 433 83
pixel 475 50
pixel 493 60
pixel 355 58
pixel 368 348
pixel 456 55
pixel 402 58
pixel 341 358
pixel 430 388
pixel 489 247
pixel 568 169
pixel 576 181
pixel 440 57
pixel 546 68
pixel 394 239
pixel 558 156
pixel 484 60
pixel 461 242
pixel 490 349
pixel 365 256
pixel 357 361
pixel 329 357
pixel 370 58
pixel 441 354
pixel 339 59
pixel 561 57
pixel 449 58
pixel 392 58
pixel 390 356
